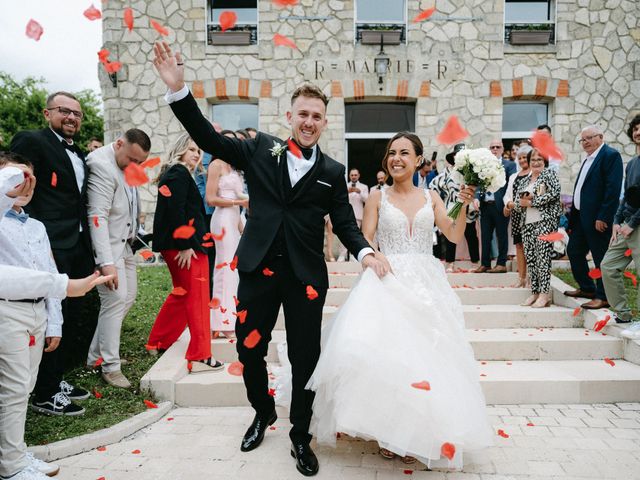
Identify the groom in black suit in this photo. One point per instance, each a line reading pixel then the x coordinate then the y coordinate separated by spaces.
pixel 60 202
pixel 280 256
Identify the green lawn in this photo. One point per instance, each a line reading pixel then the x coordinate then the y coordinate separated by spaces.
pixel 154 283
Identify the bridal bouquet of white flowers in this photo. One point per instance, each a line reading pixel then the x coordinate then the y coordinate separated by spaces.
pixel 477 167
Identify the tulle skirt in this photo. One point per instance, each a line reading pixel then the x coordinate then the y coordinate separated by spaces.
pixel 391 334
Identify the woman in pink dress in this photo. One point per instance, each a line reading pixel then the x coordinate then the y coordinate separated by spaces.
pixel 225 192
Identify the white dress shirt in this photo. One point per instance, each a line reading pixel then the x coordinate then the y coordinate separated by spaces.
pixel 27 245
pixel 76 162
pixel 17 283
pixel 297 166
pixel 584 171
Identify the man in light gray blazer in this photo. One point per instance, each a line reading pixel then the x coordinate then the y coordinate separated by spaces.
pixel 113 208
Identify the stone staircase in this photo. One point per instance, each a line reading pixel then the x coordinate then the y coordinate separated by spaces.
pixel 526 355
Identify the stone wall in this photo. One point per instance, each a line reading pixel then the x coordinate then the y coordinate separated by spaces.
pixel 454 63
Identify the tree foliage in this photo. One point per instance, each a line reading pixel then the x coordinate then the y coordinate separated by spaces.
pixel 21 105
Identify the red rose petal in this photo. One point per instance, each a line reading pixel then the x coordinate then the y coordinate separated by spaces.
pixel 98 362
pixel 282 41
pixel 294 149
pixel 92 13
pixel 236 369
pixel 134 175
pixel 146 254
pixel 576 312
pixel 503 434
pixel 32 340
pixel 423 15
pixel 628 253
pixel 543 142
pixel 219 237
pixel 242 316
pixel 101 449
pixel 189 366
pixel 452 132
pixel 424 385
pixel 128 18
pixel 223 310
pixel 150 404
pixel 184 232
pixel 54 179
pixel 600 324
pixel 285 3
pixel 178 291
pixel 530 424
pixel 95 221
pixel 103 55
pixel 311 293
pixel 34 30
pixel 609 361
pixel 214 303
pixel 266 272
pixel 227 20
pixel 135 452
pixel 236 300
pixel 234 263
pixel 96 393
pixel 113 67
pixel 448 450
pixel 634 279
pixel 151 162
pixel 159 28
pixel 551 237
pixel 272 392
pixel 208 244
pixel 220 266
pixel 595 273
pixel 252 339
pixel 164 191
pixel 408 472
pixel 170 419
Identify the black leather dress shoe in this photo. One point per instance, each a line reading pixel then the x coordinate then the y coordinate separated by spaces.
pixel 306 460
pixel 255 434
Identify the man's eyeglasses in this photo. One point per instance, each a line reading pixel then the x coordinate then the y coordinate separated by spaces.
pixel 65 112
pixel 589 138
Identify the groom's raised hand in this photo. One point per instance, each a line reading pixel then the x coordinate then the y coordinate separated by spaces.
pixel 170 67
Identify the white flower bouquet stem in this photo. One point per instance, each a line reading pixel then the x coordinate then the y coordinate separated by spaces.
pixel 477 167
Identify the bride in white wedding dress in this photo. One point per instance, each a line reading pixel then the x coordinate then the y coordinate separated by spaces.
pixel 395 364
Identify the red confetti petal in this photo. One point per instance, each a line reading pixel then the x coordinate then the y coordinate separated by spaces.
pixel 234 263
pixel 98 362
pixel 96 393
pixel 206 236
pixel 595 274
pixel 294 149
pixel 191 222
pixel 423 15
pixel 134 175
pixel 424 385
pixel 219 237
pixel 92 13
pixel 452 132
pixel 483 374
pixel 503 434
pixel 227 20
pixel 34 30
pixel 226 322
pixel 113 67
pixel 266 272
pixel 242 316
pixel 189 366
pixel 530 424
pixel 236 300
pixel 311 293
pixel 599 325
pixel 576 312
pixel 54 180
pixel 95 221
pixel 272 392
pixel 272 427
pixel 164 191
pixel 146 254
pixel 541 140
pixel 628 253
pixel 285 3
pixel 128 18
pixel 634 279
pixel 408 472
pixel 170 419
pixel 214 303
pixel 103 55
pixel 178 291
pixel 101 449
pixel 208 244
pixel 184 232
pixel 151 162
pixel 221 265
pixel 159 28
pixel 609 361
pixel 236 369
pixel 551 237
pixel 135 452
pixel 223 310
pixel 252 339
pixel 448 450
pixel 32 340
pixel 150 404
pixel 282 41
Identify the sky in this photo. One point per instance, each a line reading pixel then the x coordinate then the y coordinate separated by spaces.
pixel 65 55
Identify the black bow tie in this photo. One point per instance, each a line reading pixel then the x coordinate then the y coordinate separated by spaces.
pixel 306 152
pixel 69 147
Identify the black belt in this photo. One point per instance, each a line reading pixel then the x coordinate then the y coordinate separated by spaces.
pixel 25 300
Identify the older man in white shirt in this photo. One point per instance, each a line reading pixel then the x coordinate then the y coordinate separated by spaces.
pixel 358 194
pixel 113 224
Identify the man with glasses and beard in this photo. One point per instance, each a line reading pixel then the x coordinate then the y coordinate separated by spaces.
pixel 60 203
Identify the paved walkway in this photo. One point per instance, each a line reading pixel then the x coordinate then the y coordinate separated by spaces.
pixel 545 442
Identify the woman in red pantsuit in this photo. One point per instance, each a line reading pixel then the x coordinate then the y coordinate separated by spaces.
pixel 179 204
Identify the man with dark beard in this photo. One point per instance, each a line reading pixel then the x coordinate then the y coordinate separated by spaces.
pixel 60 202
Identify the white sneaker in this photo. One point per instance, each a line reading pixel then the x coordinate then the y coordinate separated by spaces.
pixel 49 469
pixel 28 473
pixel 633 332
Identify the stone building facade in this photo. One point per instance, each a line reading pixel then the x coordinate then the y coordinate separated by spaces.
pixel 459 61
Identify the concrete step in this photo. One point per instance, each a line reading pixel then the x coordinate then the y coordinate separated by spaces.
pixel 495 316
pixel 494 344
pixel 468 295
pixel 348 279
pixel 517 382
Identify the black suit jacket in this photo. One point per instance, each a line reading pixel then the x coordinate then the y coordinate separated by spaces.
pixel 184 204
pixel 62 208
pixel 300 213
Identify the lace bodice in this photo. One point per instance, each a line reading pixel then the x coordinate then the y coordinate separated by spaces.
pixel 230 185
pixel 396 235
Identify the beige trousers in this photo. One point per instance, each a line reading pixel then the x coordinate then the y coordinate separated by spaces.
pixel 18 372
pixel 114 305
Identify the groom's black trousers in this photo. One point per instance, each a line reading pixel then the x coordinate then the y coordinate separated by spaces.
pixel 261 296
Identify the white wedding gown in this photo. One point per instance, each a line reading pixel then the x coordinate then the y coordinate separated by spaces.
pixel 392 332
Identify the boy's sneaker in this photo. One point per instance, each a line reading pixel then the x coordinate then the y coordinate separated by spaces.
pixel 58 404
pixel 74 393
pixel 49 469
pixel 633 332
pixel 28 473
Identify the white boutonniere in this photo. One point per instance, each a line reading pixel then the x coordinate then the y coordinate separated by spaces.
pixel 277 150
